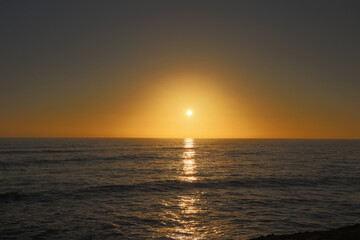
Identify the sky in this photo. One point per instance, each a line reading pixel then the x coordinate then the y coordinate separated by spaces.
pixel 247 69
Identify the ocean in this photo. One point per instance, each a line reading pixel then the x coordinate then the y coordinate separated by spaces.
pixel 175 188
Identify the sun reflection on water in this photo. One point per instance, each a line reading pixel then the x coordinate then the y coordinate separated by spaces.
pixel 187 224
pixel 189 164
pixel 183 213
pixel 187 205
pixel 188 143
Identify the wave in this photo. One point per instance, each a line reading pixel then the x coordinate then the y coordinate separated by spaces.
pixel 40 151
pixel 233 153
pixel 85 158
pixel 172 186
pixel 8 196
pixel 17 196
pixel 7 146
pixel 178 148
pixel 169 185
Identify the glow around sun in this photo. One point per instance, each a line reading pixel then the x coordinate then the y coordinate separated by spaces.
pixel 189 112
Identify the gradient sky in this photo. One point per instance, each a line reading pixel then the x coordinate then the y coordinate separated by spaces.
pixel 247 69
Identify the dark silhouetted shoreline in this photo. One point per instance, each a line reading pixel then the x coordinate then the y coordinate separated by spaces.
pixel 343 233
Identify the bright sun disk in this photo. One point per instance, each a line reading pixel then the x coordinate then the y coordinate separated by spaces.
pixel 189 112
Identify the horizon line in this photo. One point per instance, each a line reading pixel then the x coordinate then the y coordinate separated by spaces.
pixel 224 138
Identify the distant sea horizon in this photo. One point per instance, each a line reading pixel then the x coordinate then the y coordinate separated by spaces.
pixel 219 138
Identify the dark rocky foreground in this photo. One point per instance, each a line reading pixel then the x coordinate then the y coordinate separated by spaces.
pixel 343 233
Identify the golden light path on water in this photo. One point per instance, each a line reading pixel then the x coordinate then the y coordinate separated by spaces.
pixel 189 164
pixel 185 209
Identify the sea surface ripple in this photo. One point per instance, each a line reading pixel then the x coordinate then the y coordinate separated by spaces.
pixel 175 188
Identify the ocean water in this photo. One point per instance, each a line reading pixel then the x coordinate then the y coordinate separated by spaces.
pixel 175 188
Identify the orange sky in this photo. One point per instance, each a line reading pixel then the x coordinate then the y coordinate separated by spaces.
pixel 157 105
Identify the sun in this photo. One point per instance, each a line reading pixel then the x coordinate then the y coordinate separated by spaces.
pixel 189 112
